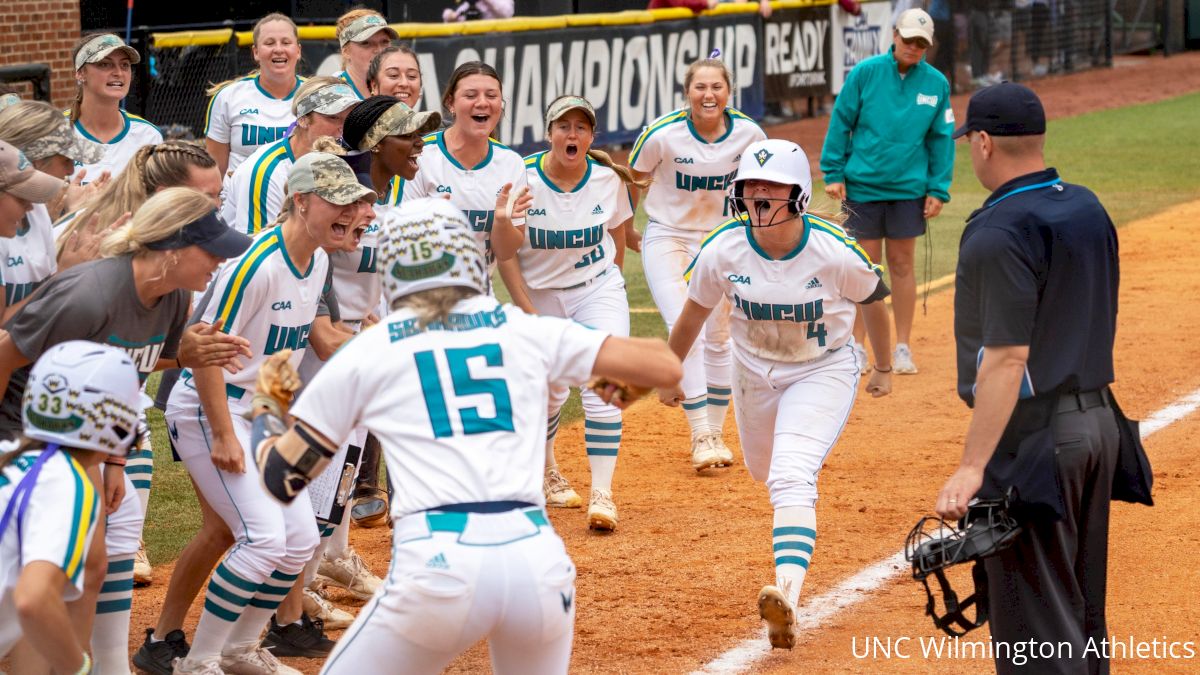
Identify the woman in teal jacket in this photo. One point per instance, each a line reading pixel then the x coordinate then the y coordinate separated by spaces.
pixel 889 157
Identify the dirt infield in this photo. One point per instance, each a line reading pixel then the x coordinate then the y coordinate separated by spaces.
pixel 675 586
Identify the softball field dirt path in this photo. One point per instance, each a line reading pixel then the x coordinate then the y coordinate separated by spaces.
pixel 675 586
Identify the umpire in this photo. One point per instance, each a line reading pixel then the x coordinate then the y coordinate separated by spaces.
pixel 1035 313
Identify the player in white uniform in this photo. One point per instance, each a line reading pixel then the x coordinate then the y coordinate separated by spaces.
pixel 692 154
pixel 361 33
pixel 469 166
pixel 249 112
pixel 80 407
pixel 570 259
pixel 103 69
pixel 254 193
pixel 795 283
pixel 40 131
pixel 268 296
pixel 474 555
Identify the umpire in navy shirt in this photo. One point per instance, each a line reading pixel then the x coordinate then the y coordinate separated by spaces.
pixel 1035 313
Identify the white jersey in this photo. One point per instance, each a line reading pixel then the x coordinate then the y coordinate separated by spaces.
pixel 358 287
pixel 790 310
pixel 691 176
pixel 56 527
pixel 117 152
pixel 247 117
pixel 460 409
pixel 29 257
pixel 262 297
pixel 567 234
pixel 473 190
pixel 254 193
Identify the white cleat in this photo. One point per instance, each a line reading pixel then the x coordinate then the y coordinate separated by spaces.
pixel 351 573
pixel 254 660
pixel 316 606
pixel 186 666
pixel 602 511
pixel 723 451
pixel 559 493
pixel 143 573
pixel 902 362
pixel 709 451
pixel 775 609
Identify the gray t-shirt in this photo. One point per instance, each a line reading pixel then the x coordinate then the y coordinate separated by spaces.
pixel 93 301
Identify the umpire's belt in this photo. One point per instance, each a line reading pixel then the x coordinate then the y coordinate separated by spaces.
pixel 1081 401
pixel 480 526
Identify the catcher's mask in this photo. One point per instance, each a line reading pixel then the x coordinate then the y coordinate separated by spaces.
pixel 934 545
pixel 777 161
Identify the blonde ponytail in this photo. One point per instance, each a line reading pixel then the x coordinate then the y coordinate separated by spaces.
pixel 328 144
pixel 626 175
pixel 434 305
pixel 161 216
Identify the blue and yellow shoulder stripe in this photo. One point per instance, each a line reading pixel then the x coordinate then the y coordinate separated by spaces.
pixel 680 115
pixel 243 272
pixel 141 120
pixel 817 224
pixel 731 224
pixel 83 516
pixel 394 194
pixel 739 115
pixel 213 99
pixel 260 183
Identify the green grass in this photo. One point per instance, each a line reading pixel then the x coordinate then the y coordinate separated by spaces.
pixel 1139 160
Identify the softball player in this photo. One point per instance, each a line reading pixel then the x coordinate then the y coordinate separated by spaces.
pixel 254 193
pixel 268 296
pixel 251 111
pixel 103 72
pixel 692 154
pixel 570 260
pixel 395 71
pixel 794 282
pixel 362 33
pixel 49 504
pixel 474 555
pixel 475 100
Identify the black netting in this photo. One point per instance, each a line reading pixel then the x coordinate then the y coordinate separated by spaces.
pixel 178 79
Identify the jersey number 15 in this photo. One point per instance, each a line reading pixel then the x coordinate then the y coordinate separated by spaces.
pixel 457 362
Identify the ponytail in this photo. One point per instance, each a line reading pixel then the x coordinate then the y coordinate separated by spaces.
pixel 161 216
pixel 626 175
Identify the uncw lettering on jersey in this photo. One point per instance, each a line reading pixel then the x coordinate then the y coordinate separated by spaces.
pixel 286 337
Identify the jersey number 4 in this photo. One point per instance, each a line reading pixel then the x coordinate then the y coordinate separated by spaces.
pixel 462 384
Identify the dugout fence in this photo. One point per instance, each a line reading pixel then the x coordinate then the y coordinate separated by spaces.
pixel 631 64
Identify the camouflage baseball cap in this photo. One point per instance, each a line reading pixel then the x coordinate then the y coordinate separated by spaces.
pixel 330 177
pixel 101 46
pixel 361 29
pixel 562 105
pixel 328 100
pixel 400 120
pixel 7 100
pixel 19 178
pixel 62 140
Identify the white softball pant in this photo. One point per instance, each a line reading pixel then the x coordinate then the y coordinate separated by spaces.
pixel 666 254
pixel 268 536
pixel 789 417
pixel 123 529
pixel 600 304
pixel 457 578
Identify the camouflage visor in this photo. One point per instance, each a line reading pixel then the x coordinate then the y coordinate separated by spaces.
pixel 101 46
pixel 330 177
pixel 400 120
pixel 62 140
pixel 361 29
pixel 328 100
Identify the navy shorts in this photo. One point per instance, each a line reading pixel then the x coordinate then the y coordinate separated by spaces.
pixel 900 219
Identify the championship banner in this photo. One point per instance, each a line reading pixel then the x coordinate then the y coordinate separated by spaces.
pixel 632 74
pixel 856 38
pixel 796 53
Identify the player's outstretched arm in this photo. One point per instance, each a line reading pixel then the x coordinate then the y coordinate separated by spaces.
pixel 44 619
pixel 626 369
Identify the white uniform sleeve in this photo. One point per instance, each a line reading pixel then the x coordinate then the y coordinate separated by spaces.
pixel 60 520
pixel 705 286
pixel 646 156
pixel 572 348
pixel 860 278
pixel 326 406
pixel 415 188
pixel 217 119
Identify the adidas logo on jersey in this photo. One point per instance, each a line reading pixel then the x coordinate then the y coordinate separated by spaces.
pixel 438 562
pixel 598 210
pixel 815 283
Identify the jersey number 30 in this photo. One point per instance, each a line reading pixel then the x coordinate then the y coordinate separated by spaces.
pixel 457 361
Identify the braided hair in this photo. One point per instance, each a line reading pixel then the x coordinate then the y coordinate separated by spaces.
pixel 363 116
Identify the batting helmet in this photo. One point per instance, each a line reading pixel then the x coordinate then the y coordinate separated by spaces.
pixel 777 161
pixel 426 243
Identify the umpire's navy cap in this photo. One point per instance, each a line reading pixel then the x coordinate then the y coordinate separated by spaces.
pixel 1005 109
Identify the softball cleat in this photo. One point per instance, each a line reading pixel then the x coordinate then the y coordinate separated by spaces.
pixel 602 511
pixel 775 609
pixel 709 451
pixel 559 493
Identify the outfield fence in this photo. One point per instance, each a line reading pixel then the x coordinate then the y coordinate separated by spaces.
pixel 631 64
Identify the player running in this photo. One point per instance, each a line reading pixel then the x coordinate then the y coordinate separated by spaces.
pixel 104 71
pixel 80 407
pixel 269 297
pixel 692 154
pixel 794 282
pixel 474 555
pixel 570 249
pixel 249 112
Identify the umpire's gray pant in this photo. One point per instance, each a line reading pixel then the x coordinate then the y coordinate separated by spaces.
pixel 1050 585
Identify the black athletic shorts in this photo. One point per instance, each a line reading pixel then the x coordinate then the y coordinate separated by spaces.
pixel 900 219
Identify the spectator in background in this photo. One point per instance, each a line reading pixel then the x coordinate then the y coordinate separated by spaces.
pixel 889 156
pixel 944 39
pixel 487 9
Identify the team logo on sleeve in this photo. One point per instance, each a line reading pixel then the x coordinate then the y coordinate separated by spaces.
pixel 762 156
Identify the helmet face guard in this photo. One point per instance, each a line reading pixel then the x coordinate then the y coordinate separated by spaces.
pixel 933 546
pixel 797 203
pixel 777 161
